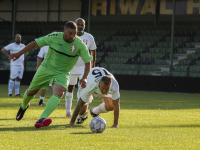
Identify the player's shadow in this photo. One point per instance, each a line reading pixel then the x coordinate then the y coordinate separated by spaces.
pixel 7 119
pixel 51 127
pixel 82 133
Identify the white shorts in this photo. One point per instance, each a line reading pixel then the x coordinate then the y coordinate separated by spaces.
pixel 16 71
pixel 90 97
pixel 74 78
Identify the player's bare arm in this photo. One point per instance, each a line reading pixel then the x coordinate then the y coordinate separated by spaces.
pixel 76 112
pixel 4 52
pixel 29 47
pixel 116 104
pixel 93 54
pixel 83 81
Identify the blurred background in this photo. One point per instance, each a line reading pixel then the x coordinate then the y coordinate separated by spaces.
pixel 151 45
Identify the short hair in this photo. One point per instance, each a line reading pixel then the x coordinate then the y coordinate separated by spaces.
pixel 107 80
pixel 71 25
pixel 18 34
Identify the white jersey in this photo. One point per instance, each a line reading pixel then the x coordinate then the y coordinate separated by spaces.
pixel 14 48
pixel 92 87
pixel 43 51
pixel 90 43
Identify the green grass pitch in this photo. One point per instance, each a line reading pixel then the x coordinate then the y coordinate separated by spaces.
pixel 148 120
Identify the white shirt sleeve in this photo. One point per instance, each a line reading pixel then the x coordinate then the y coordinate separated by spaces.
pixel 86 94
pixel 8 47
pixel 115 95
pixel 93 44
pixel 41 53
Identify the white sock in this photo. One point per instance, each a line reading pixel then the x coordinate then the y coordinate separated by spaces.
pixel 42 98
pixel 84 115
pixel 17 84
pixel 10 86
pixel 68 102
pixel 100 109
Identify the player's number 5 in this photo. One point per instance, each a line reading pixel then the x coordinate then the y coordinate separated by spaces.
pixel 98 73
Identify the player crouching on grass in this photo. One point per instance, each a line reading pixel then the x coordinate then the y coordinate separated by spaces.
pixel 102 84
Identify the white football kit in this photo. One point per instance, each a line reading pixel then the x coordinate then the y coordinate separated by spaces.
pixel 79 68
pixel 92 88
pixel 43 51
pixel 17 66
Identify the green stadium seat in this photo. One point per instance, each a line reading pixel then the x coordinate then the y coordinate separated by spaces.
pixel 197 38
pixel 182 74
pixel 192 74
pixel 151 50
pixel 143 67
pixel 175 74
pixel 104 65
pixel 192 56
pixel 194 68
pixel 153 67
pixel 145 73
pixel 188 45
pixel 197 51
pixel 184 62
pixel 180 50
pixel 181 68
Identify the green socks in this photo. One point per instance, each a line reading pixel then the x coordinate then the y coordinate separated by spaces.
pixel 50 106
pixel 26 100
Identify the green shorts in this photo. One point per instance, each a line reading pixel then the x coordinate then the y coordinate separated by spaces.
pixel 44 76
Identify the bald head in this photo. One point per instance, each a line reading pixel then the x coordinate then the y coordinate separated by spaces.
pixel 80 25
pixel 18 38
pixel 80 19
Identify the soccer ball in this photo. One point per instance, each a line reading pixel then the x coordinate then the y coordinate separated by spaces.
pixel 97 125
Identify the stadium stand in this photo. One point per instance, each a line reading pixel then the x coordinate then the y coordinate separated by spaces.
pixel 131 48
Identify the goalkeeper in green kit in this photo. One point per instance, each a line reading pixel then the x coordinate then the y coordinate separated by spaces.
pixel 64 51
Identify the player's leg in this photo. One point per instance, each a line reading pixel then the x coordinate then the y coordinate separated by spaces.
pixel 11 83
pixel 104 107
pixel 17 86
pixel 40 80
pixel 42 96
pixel 83 114
pixel 68 100
pixel 28 95
pixel 69 94
pixel 19 72
pixel 58 92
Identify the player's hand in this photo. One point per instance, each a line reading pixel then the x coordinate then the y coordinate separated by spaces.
pixel 14 56
pixel 70 124
pixel 83 83
pixel 114 126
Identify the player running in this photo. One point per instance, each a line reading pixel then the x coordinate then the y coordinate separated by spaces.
pixel 64 50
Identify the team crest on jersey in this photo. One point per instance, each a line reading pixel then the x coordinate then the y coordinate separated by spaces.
pixel 21 46
pixel 73 48
pixel 85 41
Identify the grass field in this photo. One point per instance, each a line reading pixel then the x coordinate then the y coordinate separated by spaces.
pixel 148 120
